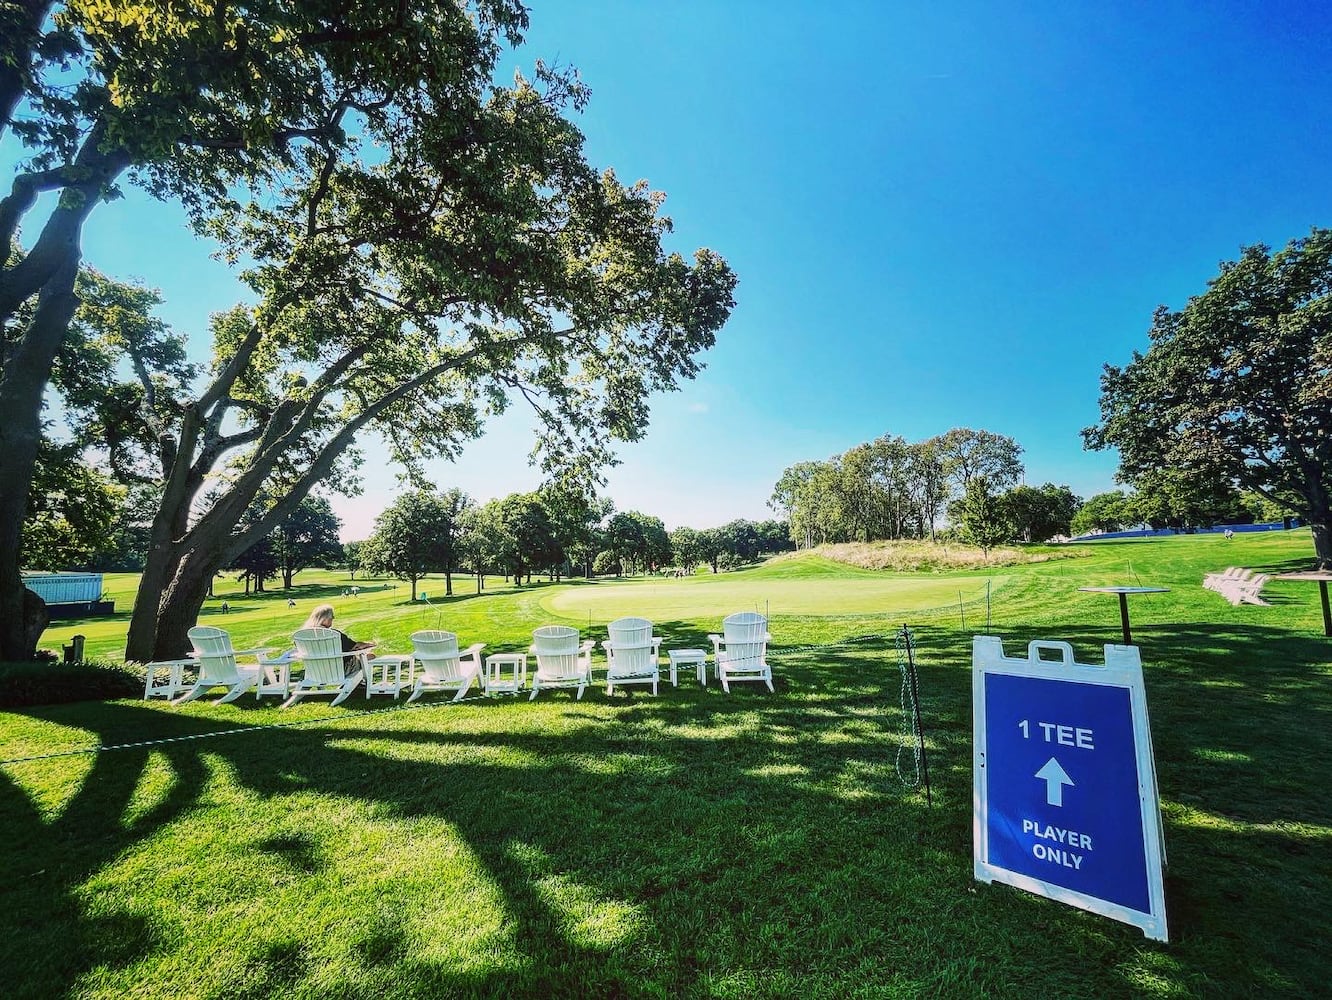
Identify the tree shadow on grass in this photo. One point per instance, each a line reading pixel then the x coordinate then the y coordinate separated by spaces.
pixel 766 835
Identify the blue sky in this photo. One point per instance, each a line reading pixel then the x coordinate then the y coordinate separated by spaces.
pixel 940 217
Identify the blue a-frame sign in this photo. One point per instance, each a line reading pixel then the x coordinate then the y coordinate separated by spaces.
pixel 1065 801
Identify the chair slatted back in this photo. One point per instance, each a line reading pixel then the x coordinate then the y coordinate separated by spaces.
pixel 320 653
pixel 216 655
pixel 437 652
pixel 631 646
pixel 556 649
pixel 746 638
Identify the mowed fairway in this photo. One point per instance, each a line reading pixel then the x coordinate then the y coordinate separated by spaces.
pixel 810 586
pixel 691 844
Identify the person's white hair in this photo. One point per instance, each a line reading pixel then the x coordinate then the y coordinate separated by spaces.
pixel 320 617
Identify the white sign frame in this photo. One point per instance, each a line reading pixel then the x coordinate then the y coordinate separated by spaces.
pixel 1123 669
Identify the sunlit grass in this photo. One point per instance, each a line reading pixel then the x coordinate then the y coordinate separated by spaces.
pixel 691 844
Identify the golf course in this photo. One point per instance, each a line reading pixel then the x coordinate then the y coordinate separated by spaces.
pixel 693 843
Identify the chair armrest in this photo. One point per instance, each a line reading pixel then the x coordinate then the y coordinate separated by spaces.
pixel 258 650
pixel 473 649
pixel 587 646
pixel 190 662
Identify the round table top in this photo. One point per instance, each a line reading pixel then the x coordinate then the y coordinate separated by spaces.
pixel 1126 590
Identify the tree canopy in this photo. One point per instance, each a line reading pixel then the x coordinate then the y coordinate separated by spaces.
pixel 475 258
pixel 415 536
pixel 1235 390
pixel 889 487
pixel 214 107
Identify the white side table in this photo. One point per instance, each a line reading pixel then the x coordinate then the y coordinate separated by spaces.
pixel 175 679
pixel 276 676
pixel 685 657
pixel 496 682
pixel 383 674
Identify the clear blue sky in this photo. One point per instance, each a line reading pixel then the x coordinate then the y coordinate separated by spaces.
pixel 940 217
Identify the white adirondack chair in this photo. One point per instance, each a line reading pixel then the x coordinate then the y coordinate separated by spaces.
pixel 562 661
pixel 218 666
pixel 632 652
pixel 443 667
pixel 1249 591
pixel 1222 583
pixel 740 653
pixel 1215 581
pixel 319 652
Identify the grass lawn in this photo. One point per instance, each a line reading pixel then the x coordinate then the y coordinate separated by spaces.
pixel 692 844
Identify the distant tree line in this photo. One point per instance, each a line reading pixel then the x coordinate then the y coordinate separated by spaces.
pixel 965 484
pixel 551 532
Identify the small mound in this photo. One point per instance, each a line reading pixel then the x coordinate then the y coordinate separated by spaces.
pixel 919 556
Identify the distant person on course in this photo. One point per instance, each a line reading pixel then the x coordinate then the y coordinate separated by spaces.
pixel 322 617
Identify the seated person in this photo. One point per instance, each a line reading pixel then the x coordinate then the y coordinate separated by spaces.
pixel 322 617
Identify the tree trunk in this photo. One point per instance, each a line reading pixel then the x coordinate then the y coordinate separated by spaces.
pixel 48 271
pixel 158 569
pixel 287 574
pixel 171 593
pixel 448 581
pixel 24 381
pixel 178 611
pixel 413 578
pixel 1321 526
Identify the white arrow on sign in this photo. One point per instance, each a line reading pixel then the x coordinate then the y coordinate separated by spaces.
pixel 1055 778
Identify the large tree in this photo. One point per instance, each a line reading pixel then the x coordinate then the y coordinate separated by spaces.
pixel 981 516
pixel 200 104
pixel 308 536
pixel 73 511
pixel 415 536
pixel 1039 514
pixel 527 535
pixel 966 454
pixel 1103 512
pixel 1236 387
pixel 478 258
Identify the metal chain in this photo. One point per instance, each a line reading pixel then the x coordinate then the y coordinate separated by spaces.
pixel 903 642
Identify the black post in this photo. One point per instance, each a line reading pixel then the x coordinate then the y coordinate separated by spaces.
pixel 1327 612
pixel 920 731
pixel 1123 618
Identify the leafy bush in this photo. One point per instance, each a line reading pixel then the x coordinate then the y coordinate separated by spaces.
pixel 41 683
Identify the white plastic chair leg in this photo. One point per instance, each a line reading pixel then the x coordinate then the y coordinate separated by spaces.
pixel 236 691
pixel 190 695
pixel 348 686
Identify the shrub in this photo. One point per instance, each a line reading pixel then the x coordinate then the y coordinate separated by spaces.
pixel 39 683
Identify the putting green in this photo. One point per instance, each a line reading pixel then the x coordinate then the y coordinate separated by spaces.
pixel 713 596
